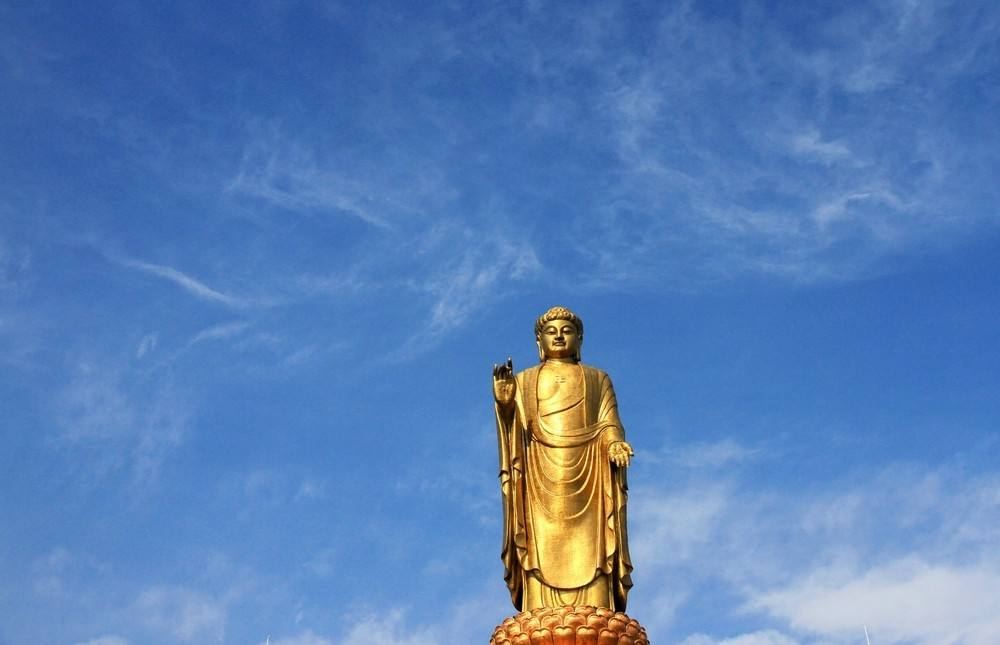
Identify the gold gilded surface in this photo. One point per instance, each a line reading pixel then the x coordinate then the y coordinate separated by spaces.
pixel 563 457
pixel 570 625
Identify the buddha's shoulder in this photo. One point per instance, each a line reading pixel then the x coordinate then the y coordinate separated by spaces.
pixel 528 372
pixel 595 370
pixel 534 369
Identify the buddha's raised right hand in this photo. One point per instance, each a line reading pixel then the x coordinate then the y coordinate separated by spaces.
pixel 504 384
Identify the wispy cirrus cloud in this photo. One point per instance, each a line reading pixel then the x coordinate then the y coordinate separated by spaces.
pixel 726 156
pixel 221 331
pixel 298 184
pixel 192 285
pixel 110 423
pixel 744 149
pixel 881 46
pixel 476 271
pixel 450 263
pixel 279 172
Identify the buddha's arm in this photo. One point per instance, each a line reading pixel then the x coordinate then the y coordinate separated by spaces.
pixel 619 451
pixel 608 415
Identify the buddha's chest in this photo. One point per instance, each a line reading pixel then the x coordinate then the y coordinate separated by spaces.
pixel 559 380
pixel 560 391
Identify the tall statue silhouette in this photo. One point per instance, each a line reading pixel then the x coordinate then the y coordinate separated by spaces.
pixel 563 457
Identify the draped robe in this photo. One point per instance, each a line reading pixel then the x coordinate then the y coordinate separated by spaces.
pixel 564 530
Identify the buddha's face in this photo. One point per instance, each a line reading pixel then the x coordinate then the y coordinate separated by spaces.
pixel 559 339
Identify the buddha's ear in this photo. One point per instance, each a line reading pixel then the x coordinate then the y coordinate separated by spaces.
pixel 579 346
pixel 541 354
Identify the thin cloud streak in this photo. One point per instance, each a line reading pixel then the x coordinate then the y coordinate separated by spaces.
pixel 472 273
pixel 191 285
pixel 219 332
pixel 287 176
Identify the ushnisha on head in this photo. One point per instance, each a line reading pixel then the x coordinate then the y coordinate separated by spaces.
pixel 559 334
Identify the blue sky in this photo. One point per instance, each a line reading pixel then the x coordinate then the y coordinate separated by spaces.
pixel 257 259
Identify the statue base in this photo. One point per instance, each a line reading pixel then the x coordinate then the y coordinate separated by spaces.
pixel 570 626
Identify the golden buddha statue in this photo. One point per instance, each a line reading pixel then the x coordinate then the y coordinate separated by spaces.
pixel 563 456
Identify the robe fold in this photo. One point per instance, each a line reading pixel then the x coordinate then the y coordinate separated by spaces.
pixel 564 536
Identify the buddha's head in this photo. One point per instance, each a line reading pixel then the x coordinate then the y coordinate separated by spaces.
pixel 559 334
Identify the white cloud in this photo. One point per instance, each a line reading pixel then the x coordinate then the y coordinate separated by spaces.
pixel 811 144
pixel 765 637
pixel 267 488
pixel 322 564
pixel 671 528
pixel 906 550
pixel 907 600
pixel 468 620
pixel 94 406
pixel 105 640
pixel 188 615
pixel 392 628
pixel 219 332
pixel 701 455
pixel 146 345
pixel 50 571
pixel 305 638
pixel 874 49
pixel 186 282
pixel 838 207
pixel 108 421
pixel 310 490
